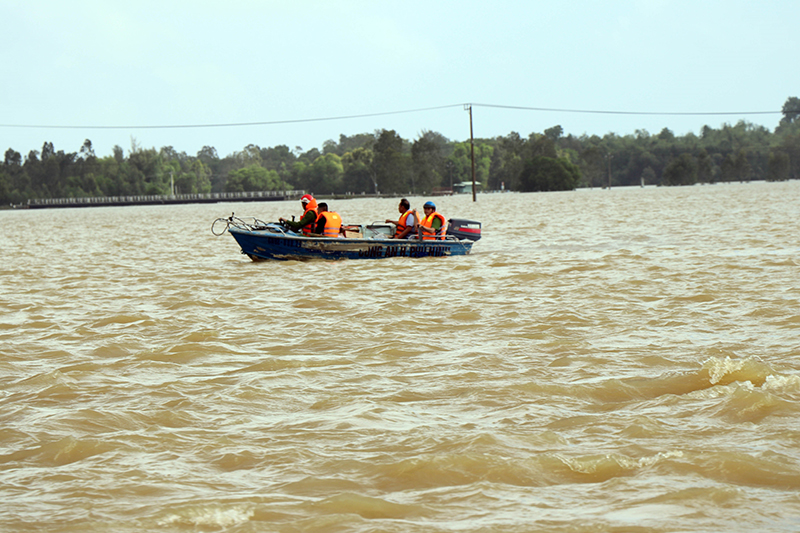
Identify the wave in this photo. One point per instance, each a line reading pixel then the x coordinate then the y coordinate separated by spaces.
pixel 212 515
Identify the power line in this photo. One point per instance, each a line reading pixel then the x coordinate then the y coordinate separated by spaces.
pixel 231 124
pixel 385 113
pixel 658 113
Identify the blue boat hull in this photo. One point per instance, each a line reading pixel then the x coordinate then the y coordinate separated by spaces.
pixel 267 244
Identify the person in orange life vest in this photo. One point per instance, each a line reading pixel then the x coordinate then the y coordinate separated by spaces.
pixel 309 218
pixel 405 224
pixel 433 225
pixel 329 223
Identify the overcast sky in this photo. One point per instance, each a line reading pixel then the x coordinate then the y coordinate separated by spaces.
pixel 113 65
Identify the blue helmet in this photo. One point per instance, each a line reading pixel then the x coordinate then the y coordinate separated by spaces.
pixel 430 204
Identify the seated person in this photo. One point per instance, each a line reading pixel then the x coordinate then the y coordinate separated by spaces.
pixel 404 226
pixel 309 218
pixel 329 223
pixel 433 225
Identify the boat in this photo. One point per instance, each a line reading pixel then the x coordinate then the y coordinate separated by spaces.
pixel 272 240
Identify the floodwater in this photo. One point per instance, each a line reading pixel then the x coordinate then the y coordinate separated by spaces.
pixel 605 360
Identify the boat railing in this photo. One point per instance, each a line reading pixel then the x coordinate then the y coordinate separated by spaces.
pixel 378 230
pixel 247 224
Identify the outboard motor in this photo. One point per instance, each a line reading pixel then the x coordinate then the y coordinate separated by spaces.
pixel 464 229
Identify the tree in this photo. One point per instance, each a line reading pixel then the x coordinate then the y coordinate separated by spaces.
pixel 541 145
pixel 324 175
pixel 705 167
pixel 548 174
pixel 12 158
pixel 390 164
pixel 48 151
pixel 460 162
pixel 593 165
pixel 168 153
pixel 554 133
pixel 428 162
pixel 649 176
pixel 778 166
pixel 194 178
pixel 5 189
pixel 358 177
pixel 251 155
pixel 32 168
pixel 348 144
pixel 119 155
pixel 741 166
pixel 790 110
pixel 506 163
pixel 18 182
pixel 107 178
pixel 681 171
pixel 87 151
pixel 254 178
pixel 145 172
pixel 329 147
pixel 207 155
pixel 666 135
pixel 279 159
pixel 728 168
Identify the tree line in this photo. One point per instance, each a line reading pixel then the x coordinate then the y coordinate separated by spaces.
pixel 384 163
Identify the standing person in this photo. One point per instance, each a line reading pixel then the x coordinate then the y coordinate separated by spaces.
pixel 405 224
pixel 329 223
pixel 434 225
pixel 309 218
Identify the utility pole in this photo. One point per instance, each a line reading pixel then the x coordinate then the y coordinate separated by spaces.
pixel 468 107
pixel 609 156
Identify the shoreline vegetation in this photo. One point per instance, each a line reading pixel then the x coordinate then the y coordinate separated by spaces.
pixel 383 164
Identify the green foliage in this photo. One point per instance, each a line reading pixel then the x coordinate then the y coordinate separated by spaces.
pixel 391 164
pixel 254 178
pixel 428 161
pixel 324 175
pixel 705 167
pixel 791 110
pixel 779 166
pixel 358 171
pixel 385 162
pixel 5 189
pixel 460 167
pixel 543 173
pixel 554 133
pixel 681 171
pixel 348 144
pixel 506 164
pixel 735 167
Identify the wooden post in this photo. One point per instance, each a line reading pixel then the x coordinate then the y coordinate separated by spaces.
pixel 472 147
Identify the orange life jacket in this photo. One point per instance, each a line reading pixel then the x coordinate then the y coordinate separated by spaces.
pixel 401 224
pixel 333 222
pixel 440 232
pixel 308 229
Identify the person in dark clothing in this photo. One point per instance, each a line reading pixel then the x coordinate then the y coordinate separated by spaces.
pixel 329 223
pixel 309 219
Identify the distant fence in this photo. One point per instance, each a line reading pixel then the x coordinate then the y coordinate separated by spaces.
pixel 153 199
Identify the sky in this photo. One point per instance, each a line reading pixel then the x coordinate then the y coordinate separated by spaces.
pixel 190 74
